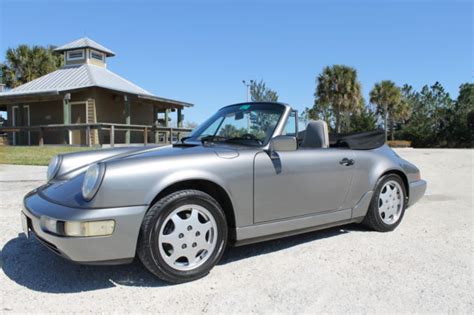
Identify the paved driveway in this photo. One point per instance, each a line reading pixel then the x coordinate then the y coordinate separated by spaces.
pixel 426 265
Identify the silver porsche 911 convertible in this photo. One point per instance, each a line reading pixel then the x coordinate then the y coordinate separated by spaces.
pixel 247 174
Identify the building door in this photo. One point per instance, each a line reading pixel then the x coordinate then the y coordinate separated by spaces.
pixel 78 116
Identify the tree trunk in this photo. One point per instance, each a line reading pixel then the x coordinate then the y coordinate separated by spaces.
pixel 392 123
pixel 338 121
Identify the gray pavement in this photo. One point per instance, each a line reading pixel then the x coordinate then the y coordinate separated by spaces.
pixel 426 265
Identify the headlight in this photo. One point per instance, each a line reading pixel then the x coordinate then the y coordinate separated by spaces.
pixel 53 167
pixel 92 180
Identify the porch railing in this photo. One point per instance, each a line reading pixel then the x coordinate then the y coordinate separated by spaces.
pixel 165 133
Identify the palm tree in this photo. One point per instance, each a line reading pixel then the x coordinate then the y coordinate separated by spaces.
pixel 24 63
pixel 387 96
pixel 339 88
pixel 400 114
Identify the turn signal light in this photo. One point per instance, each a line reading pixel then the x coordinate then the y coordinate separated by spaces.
pixel 91 228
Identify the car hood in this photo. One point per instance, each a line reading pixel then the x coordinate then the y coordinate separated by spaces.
pixel 181 150
pixel 76 163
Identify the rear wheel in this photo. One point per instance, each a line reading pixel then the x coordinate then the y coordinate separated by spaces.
pixel 182 236
pixel 388 204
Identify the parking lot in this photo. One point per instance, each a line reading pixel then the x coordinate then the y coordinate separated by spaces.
pixel 426 265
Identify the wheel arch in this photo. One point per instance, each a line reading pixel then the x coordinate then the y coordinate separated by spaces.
pixel 209 187
pixel 402 175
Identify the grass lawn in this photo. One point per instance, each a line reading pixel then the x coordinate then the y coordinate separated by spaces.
pixel 33 155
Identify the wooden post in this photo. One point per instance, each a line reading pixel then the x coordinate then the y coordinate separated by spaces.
pixel 155 124
pixel 67 115
pixel 88 136
pixel 180 118
pixel 157 135
pixel 166 125
pixel 112 136
pixel 145 136
pixel 41 137
pixel 166 117
pixel 127 119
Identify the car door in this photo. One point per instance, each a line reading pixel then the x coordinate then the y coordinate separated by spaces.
pixel 301 182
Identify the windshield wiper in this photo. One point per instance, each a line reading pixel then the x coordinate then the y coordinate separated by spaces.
pixel 237 139
pixel 212 138
pixel 184 139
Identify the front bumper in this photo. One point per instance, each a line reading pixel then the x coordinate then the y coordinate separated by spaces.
pixel 417 190
pixel 116 248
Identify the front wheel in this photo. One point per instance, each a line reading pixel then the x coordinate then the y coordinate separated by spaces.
pixel 182 236
pixel 388 204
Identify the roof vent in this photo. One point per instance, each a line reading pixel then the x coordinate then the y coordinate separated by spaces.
pixel 84 50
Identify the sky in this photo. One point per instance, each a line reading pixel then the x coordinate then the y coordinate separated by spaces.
pixel 200 51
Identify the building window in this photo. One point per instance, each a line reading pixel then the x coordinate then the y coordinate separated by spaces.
pixel 97 55
pixel 75 54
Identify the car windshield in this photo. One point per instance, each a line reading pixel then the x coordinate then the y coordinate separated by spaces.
pixel 243 124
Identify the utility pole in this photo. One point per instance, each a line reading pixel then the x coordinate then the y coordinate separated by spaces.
pixel 247 87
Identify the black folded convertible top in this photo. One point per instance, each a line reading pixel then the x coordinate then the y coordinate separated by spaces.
pixel 365 140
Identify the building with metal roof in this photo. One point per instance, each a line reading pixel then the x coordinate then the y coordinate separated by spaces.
pixel 84 91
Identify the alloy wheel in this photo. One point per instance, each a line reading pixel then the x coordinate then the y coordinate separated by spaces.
pixel 187 237
pixel 391 202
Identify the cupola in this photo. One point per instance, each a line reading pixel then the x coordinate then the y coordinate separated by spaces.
pixel 85 51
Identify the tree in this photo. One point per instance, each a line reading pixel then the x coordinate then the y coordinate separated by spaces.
pixel 260 93
pixel 460 127
pixel 322 111
pixel 338 93
pixel 308 114
pixel 386 96
pixel 400 115
pixel 25 63
pixel 432 118
pixel 364 120
pixel 228 131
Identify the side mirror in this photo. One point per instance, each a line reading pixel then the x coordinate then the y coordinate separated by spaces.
pixel 282 143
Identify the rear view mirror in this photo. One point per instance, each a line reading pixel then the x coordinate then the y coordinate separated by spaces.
pixel 282 143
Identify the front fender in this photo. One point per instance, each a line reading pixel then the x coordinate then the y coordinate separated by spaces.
pixel 187 175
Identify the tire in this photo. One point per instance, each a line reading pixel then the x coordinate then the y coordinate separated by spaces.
pixel 388 204
pixel 182 236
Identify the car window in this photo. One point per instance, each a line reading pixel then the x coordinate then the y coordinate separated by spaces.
pixel 290 127
pixel 257 123
pixel 242 124
pixel 212 129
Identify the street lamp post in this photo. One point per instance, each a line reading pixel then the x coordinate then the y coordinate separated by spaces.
pixel 247 86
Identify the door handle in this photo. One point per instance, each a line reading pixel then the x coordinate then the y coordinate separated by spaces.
pixel 346 162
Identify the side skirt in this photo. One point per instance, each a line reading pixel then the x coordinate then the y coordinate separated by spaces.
pixel 281 228
pixel 289 233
